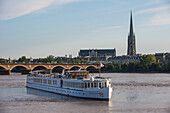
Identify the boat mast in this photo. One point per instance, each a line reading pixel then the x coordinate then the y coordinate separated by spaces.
pixel 99 67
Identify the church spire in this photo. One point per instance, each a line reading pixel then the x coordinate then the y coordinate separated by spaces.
pixel 131 40
pixel 131 25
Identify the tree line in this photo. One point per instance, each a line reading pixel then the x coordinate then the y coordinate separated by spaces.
pixel 147 64
pixel 48 59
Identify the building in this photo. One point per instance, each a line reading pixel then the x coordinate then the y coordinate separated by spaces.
pixel 97 52
pixel 131 40
pixel 162 57
pixel 125 59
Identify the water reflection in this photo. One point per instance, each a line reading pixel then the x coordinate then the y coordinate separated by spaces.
pixel 47 95
pixel 82 104
pixel 58 97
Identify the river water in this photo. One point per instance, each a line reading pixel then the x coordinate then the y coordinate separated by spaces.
pixel 133 93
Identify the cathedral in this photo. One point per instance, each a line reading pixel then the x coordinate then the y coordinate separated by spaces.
pixel 131 40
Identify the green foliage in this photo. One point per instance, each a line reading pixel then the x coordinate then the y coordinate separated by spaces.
pixel 42 60
pixel 113 62
pixel 146 64
pixel 131 67
pixel 14 60
pixel 77 61
pixel 168 64
pixel 109 67
pixel 118 67
pixel 50 58
pixel 83 61
pixel 124 67
pixel 169 59
pixel 60 62
pixel 73 61
pixel 3 61
pixel 156 67
pixel 147 60
pixel 23 59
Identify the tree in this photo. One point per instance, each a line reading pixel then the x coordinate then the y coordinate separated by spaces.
pixel 146 61
pixel 131 67
pixel 3 61
pixel 82 60
pixel 85 61
pixel 156 67
pixel 169 63
pixel 113 62
pixel 23 59
pixel 118 67
pixel 73 61
pixel 14 60
pixel 50 58
pixel 77 61
pixel 109 67
pixel 60 62
pixel 124 67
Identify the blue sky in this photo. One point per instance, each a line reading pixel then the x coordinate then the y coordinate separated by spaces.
pixel 38 28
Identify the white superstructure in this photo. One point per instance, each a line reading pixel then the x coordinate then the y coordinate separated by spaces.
pixel 72 84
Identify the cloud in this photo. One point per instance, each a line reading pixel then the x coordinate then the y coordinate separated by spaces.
pixel 106 28
pixel 160 19
pixel 158 15
pixel 10 9
pixel 151 10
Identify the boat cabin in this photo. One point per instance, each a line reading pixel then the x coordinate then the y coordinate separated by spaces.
pixel 78 74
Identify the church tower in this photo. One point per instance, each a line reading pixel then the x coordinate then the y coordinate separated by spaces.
pixel 131 40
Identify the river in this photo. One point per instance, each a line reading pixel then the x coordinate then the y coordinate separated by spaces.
pixel 133 93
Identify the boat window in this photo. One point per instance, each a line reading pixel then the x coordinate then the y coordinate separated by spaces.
pixel 49 81
pixel 85 85
pixel 88 84
pixel 55 82
pixel 95 84
pixel 82 85
pixel 100 85
pixel 92 84
pixel 45 81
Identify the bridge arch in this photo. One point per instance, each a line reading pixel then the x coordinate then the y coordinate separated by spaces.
pixel 91 66
pixel 59 70
pixel 76 66
pixel 58 66
pixel 19 69
pixel 46 67
pixel 19 65
pixel 92 69
pixel 4 67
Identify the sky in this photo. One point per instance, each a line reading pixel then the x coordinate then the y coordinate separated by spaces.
pixel 38 28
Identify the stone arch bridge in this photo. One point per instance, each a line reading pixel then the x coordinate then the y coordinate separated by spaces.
pixel 7 68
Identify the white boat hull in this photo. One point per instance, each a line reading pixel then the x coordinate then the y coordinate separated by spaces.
pixel 92 93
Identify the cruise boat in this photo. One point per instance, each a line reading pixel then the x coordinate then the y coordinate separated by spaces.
pixel 73 83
